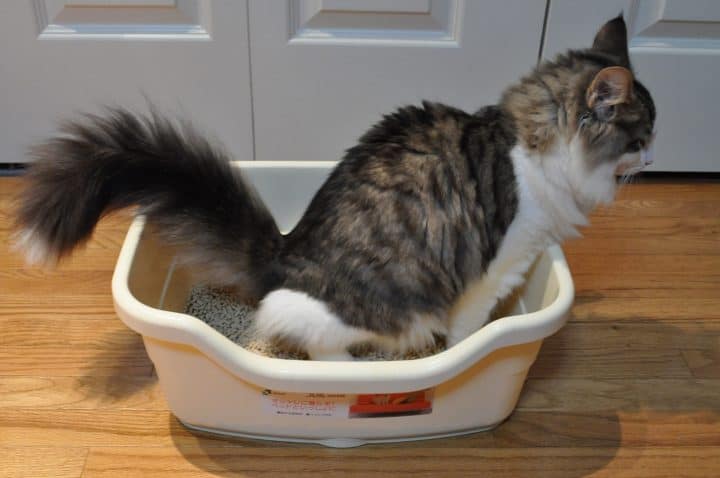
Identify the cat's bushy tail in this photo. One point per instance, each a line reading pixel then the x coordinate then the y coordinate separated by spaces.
pixel 184 185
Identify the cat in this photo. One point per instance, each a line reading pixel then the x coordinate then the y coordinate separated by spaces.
pixel 432 205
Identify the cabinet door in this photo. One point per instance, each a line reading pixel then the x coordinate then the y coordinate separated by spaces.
pixel 323 71
pixel 675 50
pixel 58 57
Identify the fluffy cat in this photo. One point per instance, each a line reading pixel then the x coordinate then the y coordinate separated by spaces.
pixel 433 203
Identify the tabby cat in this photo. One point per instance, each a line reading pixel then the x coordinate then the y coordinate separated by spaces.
pixel 431 204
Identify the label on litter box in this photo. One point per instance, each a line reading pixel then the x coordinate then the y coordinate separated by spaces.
pixel 340 405
pixel 307 404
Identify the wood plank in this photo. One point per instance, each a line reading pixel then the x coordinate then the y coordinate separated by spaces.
pixel 41 462
pixel 10 186
pixel 643 284
pixel 662 207
pixel 655 225
pixel 98 427
pixel 698 189
pixel 82 393
pixel 57 283
pixel 48 304
pixel 629 349
pixel 94 256
pixel 589 395
pixel 62 361
pixel 606 242
pixel 634 335
pixel 679 293
pixel 128 427
pixel 645 220
pixel 602 364
pixel 65 329
pixel 636 428
pixel 606 462
pixel 611 306
pixel 21 318
pixel 703 363
pixel 677 266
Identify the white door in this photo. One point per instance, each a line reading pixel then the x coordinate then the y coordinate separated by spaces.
pixel 323 71
pixel 58 57
pixel 675 49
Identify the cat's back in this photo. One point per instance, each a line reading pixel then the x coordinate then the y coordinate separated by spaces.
pixel 402 154
pixel 407 142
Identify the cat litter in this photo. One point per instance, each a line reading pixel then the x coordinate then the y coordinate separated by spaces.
pixel 221 311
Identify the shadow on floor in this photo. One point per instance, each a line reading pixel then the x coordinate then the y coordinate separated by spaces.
pixel 120 370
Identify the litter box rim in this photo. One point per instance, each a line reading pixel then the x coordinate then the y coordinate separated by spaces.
pixel 336 377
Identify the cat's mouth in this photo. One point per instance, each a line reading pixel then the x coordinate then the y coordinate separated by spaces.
pixel 628 170
pixel 639 162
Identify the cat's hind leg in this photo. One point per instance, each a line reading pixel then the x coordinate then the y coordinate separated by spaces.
pixel 309 323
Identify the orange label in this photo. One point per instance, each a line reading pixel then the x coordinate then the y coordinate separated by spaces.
pixel 392 404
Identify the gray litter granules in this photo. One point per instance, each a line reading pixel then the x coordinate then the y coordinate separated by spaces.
pixel 221 311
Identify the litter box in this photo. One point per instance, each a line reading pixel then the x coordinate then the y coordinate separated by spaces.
pixel 213 385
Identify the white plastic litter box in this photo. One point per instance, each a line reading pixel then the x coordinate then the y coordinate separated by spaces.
pixel 214 385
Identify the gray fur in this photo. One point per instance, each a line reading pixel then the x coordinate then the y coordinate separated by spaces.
pixel 413 214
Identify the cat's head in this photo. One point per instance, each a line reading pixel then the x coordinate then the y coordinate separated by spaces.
pixel 614 114
pixel 588 103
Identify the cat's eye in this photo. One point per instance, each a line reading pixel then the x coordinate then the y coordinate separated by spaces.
pixel 634 146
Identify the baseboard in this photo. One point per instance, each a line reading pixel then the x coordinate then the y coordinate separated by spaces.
pixel 664 176
pixel 12 169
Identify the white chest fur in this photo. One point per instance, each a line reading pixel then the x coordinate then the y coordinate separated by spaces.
pixel 547 213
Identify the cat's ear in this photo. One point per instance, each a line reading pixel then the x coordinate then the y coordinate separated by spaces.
pixel 612 39
pixel 610 87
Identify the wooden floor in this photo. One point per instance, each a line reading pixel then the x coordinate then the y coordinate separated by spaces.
pixel 630 387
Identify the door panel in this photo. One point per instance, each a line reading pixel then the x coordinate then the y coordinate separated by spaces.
pixel 190 57
pixel 675 51
pixel 123 19
pixel 391 22
pixel 324 71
